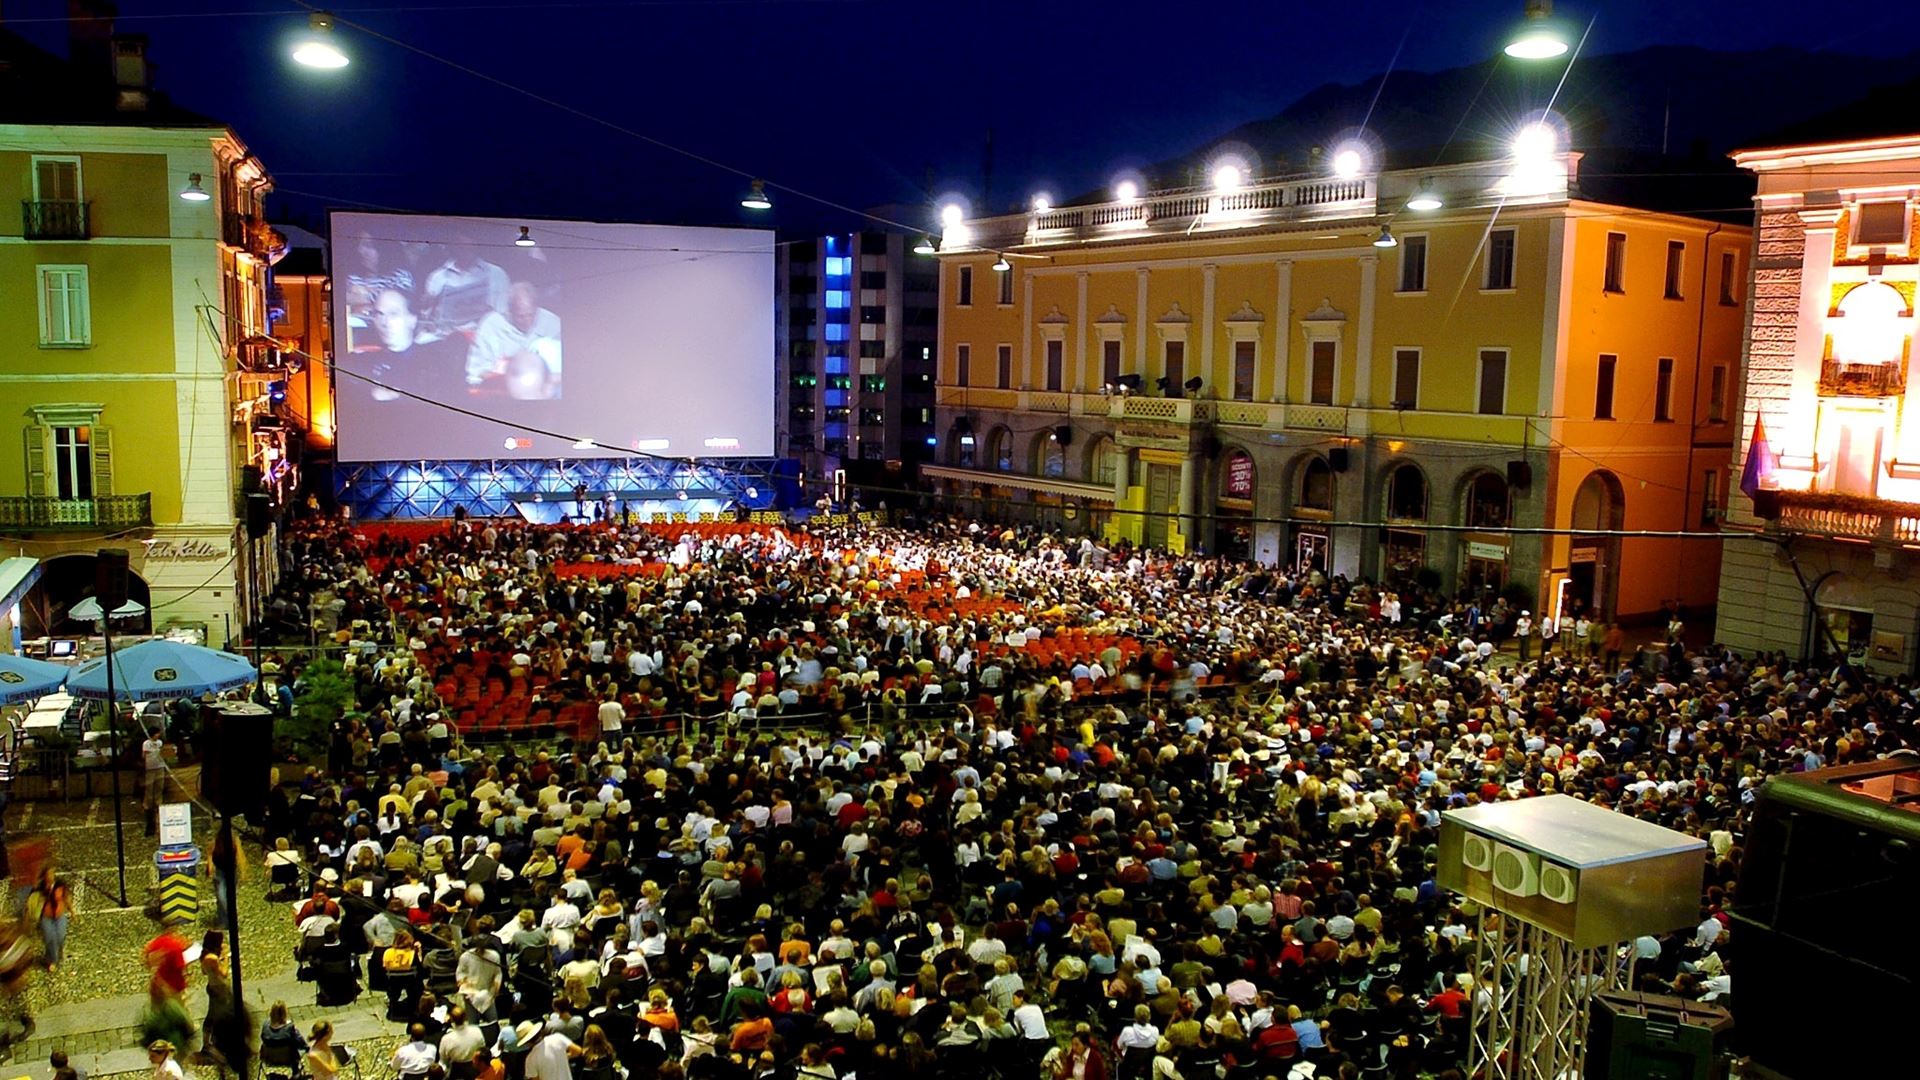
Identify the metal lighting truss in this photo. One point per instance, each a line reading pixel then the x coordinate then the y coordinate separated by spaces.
pixel 1532 995
pixel 434 489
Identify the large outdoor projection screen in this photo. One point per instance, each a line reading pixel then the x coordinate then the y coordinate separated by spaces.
pixel 649 338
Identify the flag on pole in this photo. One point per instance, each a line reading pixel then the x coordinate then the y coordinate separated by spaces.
pixel 1760 461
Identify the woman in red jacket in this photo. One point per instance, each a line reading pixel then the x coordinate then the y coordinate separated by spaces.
pixel 1081 1061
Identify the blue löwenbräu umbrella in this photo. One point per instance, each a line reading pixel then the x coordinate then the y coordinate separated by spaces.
pixel 159 669
pixel 24 679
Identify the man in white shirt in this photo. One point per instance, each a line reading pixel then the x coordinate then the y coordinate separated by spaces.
pixel 417 1055
pixel 613 720
pixel 551 1058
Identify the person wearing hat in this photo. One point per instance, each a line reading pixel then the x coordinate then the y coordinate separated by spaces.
pixel 160 1056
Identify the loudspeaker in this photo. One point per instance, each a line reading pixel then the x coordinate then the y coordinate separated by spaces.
pixel 259 515
pixel 239 758
pixel 1210 446
pixel 1063 434
pixel 1655 1037
pixel 1519 475
pixel 1338 458
pixel 110 578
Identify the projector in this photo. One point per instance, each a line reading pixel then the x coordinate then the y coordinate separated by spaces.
pixel 1578 871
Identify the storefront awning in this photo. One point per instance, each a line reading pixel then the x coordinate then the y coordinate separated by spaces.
pixel 987 478
pixel 17 575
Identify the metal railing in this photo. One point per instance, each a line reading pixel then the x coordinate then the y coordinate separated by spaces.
pixel 49 512
pixel 54 219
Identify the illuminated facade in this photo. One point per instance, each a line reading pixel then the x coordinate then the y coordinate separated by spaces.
pixel 132 360
pixel 1826 367
pixel 1245 370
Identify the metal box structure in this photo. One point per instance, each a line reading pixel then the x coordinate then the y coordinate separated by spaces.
pixel 1583 873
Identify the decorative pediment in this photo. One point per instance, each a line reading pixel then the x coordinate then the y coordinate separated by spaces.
pixel 1326 312
pixel 1053 325
pixel 1054 316
pixel 1111 315
pixel 1173 325
pixel 1107 326
pixel 1175 315
pixel 1247 314
pixel 1324 323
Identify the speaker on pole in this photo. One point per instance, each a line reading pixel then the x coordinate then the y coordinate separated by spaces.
pixel 1338 458
pixel 239 757
pixel 1519 474
pixel 110 578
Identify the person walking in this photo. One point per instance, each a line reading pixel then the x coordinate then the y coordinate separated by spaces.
pixel 50 907
pixel 153 759
pixel 1523 634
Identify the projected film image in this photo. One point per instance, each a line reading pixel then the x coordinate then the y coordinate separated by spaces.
pixel 447 320
pixel 656 339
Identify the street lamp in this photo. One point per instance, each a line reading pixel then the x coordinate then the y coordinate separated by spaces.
pixel 317 50
pixel 1539 37
pixel 756 197
pixel 193 192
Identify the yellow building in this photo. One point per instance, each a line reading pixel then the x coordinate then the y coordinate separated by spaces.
pixel 1257 370
pixel 134 295
pixel 1826 368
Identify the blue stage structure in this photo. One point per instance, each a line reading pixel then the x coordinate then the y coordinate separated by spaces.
pixel 544 490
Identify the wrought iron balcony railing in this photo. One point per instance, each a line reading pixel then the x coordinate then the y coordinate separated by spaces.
pixel 48 513
pixel 53 219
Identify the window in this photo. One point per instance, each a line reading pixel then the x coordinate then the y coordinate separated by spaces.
pixel 65 319
pixel 1176 367
pixel 1413 264
pixel 873 417
pixel 1616 274
pixel 966 286
pixel 1717 394
pixel 1710 499
pixel 1316 485
pixel 1676 265
pixel 1110 363
pixel 73 462
pixel 1493 381
pixel 873 384
pixel 56 179
pixel 1877 223
pixel 1407 494
pixel 873 279
pixel 1321 374
pixel 1729 269
pixel 1663 390
pixel 1006 286
pixel 873 314
pixel 1056 363
pixel 963 359
pixel 1603 387
pixel 1499 260
pixel 874 350
pixel 1106 462
pixel 1406 378
pixel 1003 366
pixel 1243 370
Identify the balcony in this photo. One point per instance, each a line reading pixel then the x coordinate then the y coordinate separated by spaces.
pixel 1294 199
pixel 246 232
pixel 56 219
pixel 43 513
pixel 1847 517
pixel 1838 378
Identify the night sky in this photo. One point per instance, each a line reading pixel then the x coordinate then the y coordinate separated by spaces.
pixel 861 102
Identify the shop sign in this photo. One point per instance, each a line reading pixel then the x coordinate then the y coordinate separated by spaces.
pixel 1240 476
pixel 1479 550
pixel 1584 555
pixel 185 551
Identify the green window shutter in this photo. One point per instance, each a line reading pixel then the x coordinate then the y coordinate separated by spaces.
pixel 37 479
pixel 102 461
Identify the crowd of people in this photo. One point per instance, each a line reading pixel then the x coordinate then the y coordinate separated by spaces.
pixel 959 800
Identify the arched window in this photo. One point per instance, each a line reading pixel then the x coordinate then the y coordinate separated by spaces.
pixel 1049 457
pixel 1002 455
pixel 1868 327
pixel 1407 494
pixel 1489 506
pixel 1104 461
pixel 1316 485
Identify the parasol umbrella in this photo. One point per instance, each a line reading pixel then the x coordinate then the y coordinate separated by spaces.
pixel 88 610
pixel 159 669
pixel 22 679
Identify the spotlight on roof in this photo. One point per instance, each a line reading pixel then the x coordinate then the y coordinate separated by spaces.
pixel 1427 198
pixel 1042 203
pixel 1228 177
pixel 1348 162
pixel 1535 144
pixel 951 215
pixel 317 49
pixel 756 197
pixel 1539 36
pixel 1126 190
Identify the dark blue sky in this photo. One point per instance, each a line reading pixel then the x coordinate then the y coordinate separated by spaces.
pixel 858 101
